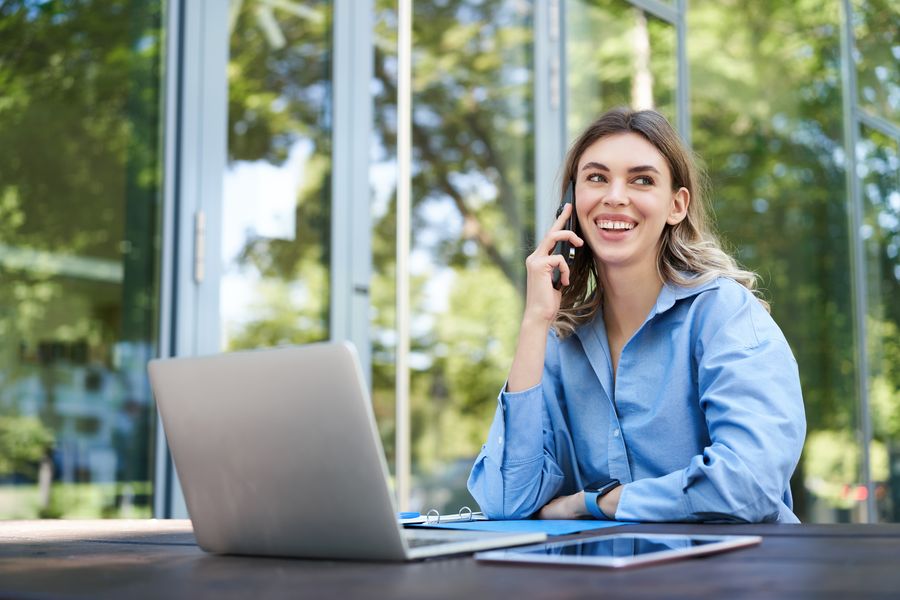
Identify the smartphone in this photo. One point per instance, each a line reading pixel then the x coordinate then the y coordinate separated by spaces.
pixel 563 247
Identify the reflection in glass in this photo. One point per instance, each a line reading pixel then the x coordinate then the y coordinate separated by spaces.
pixel 79 242
pixel 276 214
pixel 876 27
pixel 383 178
pixel 879 172
pixel 473 160
pixel 776 160
pixel 617 55
pixel 619 546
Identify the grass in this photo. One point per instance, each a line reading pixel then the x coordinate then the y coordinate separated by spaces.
pixel 78 501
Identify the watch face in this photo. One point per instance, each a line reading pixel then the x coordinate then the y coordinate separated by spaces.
pixel 602 486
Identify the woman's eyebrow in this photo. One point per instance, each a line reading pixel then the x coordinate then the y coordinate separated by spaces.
pixel 643 168
pixel 601 167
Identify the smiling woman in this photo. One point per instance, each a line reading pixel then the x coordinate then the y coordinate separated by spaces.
pixel 653 172
pixel 642 375
pixel 625 206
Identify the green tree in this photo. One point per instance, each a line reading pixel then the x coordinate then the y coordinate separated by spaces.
pixel 79 203
pixel 24 442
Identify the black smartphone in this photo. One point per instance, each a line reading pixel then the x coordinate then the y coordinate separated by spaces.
pixel 563 247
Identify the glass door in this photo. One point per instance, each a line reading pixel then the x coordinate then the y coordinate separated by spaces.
pixel 80 191
pixel 276 208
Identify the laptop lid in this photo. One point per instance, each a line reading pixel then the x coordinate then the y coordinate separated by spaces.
pixel 278 454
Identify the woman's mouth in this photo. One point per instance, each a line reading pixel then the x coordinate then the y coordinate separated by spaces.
pixel 615 225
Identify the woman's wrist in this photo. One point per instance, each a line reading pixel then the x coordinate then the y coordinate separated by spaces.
pixel 536 322
pixel 528 363
pixel 609 503
pixel 578 507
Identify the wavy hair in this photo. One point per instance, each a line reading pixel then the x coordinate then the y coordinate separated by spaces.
pixel 689 253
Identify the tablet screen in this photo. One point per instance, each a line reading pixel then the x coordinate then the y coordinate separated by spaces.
pixel 620 550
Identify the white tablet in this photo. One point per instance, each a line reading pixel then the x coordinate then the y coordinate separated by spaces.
pixel 620 550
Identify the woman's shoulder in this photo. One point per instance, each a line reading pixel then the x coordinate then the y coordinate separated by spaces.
pixel 713 290
pixel 725 291
pixel 725 309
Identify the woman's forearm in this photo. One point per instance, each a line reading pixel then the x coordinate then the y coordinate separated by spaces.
pixel 528 363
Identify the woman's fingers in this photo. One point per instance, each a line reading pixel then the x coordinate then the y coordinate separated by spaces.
pixel 544 265
pixel 558 233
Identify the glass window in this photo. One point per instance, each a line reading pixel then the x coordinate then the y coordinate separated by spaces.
pixel 776 161
pixel 383 177
pixel 876 24
pixel 879 173
pixel 276 220
pixel 473 204
pixel 617 55
pixel 79 245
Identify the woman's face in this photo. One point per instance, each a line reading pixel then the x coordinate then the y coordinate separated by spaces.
pixel 624 199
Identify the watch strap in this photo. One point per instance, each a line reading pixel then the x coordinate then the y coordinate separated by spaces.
pixel 591 502
pixel 592 494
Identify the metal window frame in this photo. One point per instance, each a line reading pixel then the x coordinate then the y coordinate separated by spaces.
pixel 195 138
pixel 402 450
pixel 351 222
pixel 163 468
pixel 858 267
pixel 550 101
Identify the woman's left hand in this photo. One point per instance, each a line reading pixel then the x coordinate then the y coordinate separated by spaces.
pixel 564 507
pixel 572 507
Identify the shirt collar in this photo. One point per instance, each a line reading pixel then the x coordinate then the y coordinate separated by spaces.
pixel 669 294
pixel 672 293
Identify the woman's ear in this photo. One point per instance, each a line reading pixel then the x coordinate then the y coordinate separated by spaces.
pixel 680 202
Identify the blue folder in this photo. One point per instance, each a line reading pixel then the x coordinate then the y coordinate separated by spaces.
pixel 550 527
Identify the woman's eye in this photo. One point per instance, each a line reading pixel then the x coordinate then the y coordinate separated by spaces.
pixel 643 180
pixel 596 178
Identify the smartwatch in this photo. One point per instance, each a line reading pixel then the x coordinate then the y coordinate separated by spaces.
pixel 594 491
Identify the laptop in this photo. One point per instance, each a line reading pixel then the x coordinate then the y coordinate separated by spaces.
pixel 278 455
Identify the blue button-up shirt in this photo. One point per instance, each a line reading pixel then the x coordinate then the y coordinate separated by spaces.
pixel 704 420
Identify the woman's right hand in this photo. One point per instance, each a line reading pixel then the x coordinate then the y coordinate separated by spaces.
pixel 541 304
pixel 541 299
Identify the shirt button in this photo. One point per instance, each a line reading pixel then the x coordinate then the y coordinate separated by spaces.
pixel 616 433
pixel 500 441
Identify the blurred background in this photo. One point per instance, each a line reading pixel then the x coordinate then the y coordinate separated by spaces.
pixel 192 177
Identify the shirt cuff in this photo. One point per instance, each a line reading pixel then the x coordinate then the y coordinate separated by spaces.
pixel 522 433
pixel 654 499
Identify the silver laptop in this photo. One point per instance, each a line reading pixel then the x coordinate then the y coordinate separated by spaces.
pixel 278 455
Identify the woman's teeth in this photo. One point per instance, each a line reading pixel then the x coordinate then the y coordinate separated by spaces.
pixel 616 225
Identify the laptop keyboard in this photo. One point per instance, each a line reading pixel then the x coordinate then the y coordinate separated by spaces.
pixel 419 542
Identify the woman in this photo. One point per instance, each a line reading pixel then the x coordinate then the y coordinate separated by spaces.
pixel 655 386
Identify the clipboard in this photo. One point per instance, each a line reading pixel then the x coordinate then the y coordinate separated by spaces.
pixel 434 517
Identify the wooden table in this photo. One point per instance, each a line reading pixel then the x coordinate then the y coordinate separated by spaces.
pixel 159 559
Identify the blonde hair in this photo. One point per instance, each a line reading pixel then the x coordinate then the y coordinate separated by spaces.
pixel 690 253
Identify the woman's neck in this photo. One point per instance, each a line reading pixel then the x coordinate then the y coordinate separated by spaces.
pixel 628 295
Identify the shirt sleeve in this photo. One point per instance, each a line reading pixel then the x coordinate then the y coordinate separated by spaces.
pixel 516 472
pixel 751 398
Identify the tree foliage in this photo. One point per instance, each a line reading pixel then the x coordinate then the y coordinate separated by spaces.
pixel 24 442
pixel 766 97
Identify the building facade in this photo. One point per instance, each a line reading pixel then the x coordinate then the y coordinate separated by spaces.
pixel 183 178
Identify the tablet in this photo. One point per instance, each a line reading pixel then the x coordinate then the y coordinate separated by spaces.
pixel 620 550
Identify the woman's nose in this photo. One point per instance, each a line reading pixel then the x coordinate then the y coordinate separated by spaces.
pixel 615 195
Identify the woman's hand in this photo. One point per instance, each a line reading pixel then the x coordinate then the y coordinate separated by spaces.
pixel 572 507
pixel 565 507
pixel 541 305
pixel 541 300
